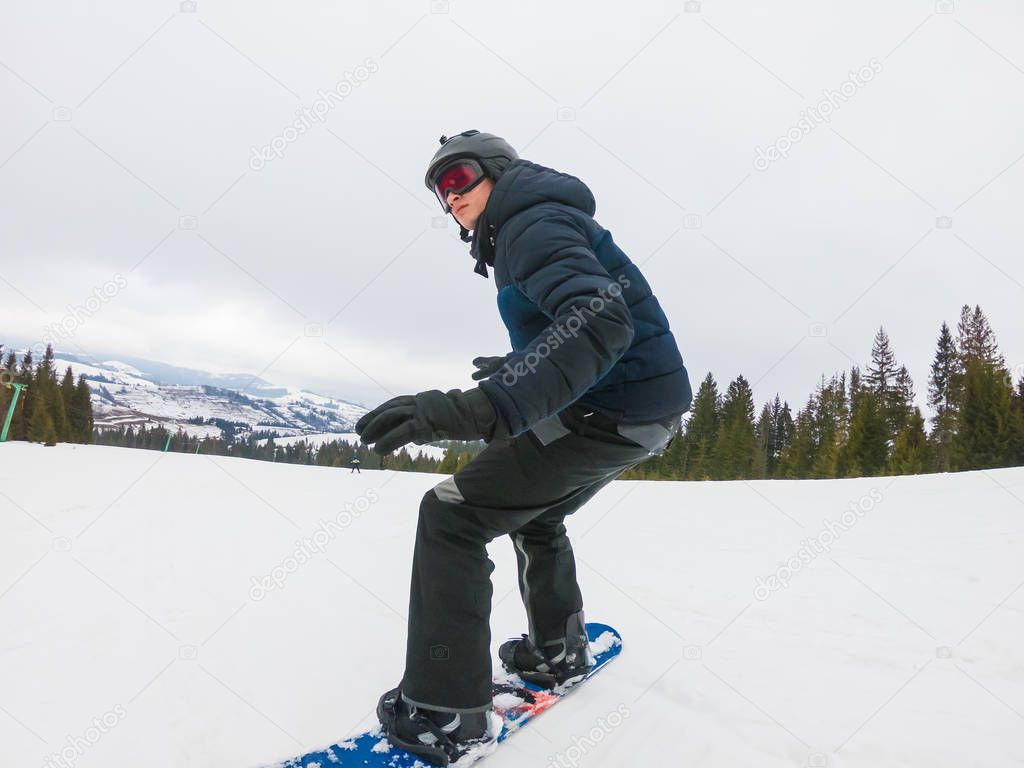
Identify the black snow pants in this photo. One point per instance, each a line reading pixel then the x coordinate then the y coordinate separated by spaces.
pixel 524 487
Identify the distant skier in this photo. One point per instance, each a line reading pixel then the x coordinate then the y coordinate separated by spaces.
pixel 595 384
pixel 354 463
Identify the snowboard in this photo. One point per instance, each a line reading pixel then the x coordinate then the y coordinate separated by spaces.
pixel 516 701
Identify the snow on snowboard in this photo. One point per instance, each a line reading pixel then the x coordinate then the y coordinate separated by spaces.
pixel 515 700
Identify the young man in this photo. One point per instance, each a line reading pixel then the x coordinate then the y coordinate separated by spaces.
pixel 594 385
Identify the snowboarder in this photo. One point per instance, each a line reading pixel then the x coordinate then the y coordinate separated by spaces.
pixel 595 384
pixel 354 463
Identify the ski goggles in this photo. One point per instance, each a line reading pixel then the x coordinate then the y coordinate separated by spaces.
pixel 459 177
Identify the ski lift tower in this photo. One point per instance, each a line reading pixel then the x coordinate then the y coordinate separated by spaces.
pixel 10 411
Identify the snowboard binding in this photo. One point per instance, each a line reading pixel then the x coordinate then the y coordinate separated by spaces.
pixel 555 663
pixel 459 739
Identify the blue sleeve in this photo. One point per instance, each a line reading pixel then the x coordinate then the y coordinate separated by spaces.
pixel 591 326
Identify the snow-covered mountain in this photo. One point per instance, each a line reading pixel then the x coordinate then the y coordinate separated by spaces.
pixel 161 595
pixel 318 439
pixel 143 392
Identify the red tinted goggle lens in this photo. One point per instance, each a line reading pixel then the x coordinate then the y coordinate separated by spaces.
pixel 457 178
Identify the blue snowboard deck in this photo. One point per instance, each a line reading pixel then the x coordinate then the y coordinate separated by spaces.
pixel 515 700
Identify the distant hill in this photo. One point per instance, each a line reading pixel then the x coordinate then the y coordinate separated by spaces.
pixel 135 391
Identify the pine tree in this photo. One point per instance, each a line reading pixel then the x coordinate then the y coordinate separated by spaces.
pixel 846 466
pixel 986 425
pixel 41 430
pixel 831 425
pixel 764 440
pixel 702 430
pixel 55 404
pixel 881 375
pixel 945 378
pixel 784 429
pixel 797 459
pixel 450 462
pixel 81 418
pixel 867 450
pixel 67 397
pixel 27 365
pixel 889 383
pixel 39 420
pixel 1016 447
pixel 47 421
pixel 735 443
pixel 910 453
pixel 976 338
pixel 26 402
pixel 902 403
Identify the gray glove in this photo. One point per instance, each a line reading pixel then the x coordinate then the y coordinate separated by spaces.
pixel 486 366
pixel 427 417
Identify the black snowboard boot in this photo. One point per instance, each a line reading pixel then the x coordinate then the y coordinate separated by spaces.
pixel 553 663
pixel 442 738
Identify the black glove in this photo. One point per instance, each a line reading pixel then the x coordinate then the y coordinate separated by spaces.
pixel 427 417
pixel 488 365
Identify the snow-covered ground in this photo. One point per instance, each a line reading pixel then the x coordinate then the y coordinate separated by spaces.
pixel 148 615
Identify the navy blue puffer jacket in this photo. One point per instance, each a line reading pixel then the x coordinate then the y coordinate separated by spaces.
pixel 583 322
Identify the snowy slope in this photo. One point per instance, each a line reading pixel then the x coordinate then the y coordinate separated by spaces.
pixel 127 597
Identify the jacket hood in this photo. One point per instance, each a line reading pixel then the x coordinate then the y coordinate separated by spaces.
pixel 521 186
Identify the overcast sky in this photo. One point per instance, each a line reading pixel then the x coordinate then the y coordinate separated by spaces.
pixel 131 164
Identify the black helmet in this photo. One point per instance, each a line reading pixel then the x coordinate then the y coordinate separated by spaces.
pixel 492 152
